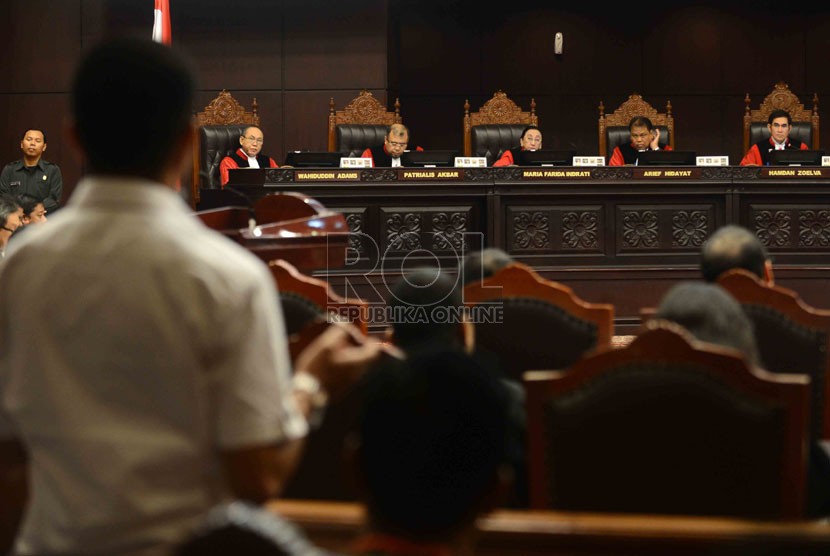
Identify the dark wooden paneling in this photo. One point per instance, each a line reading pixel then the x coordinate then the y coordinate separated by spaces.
pixel 333 45
pixel 41 42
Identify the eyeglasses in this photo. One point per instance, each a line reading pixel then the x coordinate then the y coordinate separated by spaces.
pixel 255 139
pixel 396 144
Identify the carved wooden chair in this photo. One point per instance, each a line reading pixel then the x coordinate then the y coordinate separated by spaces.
pixel 362 124
pixel 613 128
pixel 219 126
pixel 543 324
pixel 668 425
pixel 805 122
pixel 496 127
pixel 792 337
pixel 308 302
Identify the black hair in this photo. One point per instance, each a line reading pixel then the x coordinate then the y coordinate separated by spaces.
pixel 8 206
pixel 779 113
pixel 711 315
pixel 479 265
pixel 425 308
pixel 150 82
pixel 528 128
pixel 27 203
pixel 432 437
pixel 640 121
pixel 34 129
pixel 732 246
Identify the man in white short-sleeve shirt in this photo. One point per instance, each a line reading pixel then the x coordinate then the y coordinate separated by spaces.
pixel 143 360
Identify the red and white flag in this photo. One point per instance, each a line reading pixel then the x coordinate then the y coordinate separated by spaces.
pixel 161 22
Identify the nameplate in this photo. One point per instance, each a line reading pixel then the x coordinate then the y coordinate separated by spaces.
pixel 667 173
pixel 326 175
pixel 795 173
pixel 413 174
pixel 470 162
pixel 589 161
pixel 555 173
pixel 712 160
pixel 355 162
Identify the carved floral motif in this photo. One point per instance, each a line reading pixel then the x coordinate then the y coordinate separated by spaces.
pixel 531 230
pixel 689 228
pixel 640 228
pixel 579 229
pixel 773 227
pixel 815 228
pixel 355 222
pixel 403 231
pixel 449 230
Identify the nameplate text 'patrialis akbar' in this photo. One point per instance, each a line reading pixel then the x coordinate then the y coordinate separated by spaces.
pixel 441 174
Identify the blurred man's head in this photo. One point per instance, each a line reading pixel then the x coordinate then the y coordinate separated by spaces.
pixel 478 265
pixel 712 315
pixel 431 444
pixel 33 210
pixel 152 84
pixel 734 247
pixel 426 310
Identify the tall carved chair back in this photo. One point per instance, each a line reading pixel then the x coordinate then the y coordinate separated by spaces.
pixel 363 123
pixel 792 337
pixel 541 324
pixel 805 122
pixel 668 425
pixel 219 126
pixel 496 127
pixel 613 128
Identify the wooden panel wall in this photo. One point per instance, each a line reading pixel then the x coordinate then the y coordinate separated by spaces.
pixel 293 55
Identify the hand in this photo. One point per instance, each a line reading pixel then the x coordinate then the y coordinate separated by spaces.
pixel 338 357
pixel 655 141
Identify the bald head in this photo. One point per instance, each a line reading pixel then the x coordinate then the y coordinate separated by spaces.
pixel 732 247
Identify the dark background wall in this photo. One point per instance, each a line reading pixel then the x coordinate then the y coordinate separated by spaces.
pixel 293 55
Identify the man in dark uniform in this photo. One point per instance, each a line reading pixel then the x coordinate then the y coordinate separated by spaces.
pixel 31 175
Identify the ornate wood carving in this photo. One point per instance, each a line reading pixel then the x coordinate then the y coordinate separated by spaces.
pixel 355 222
pixel 531 230
pixel 612 173
pixel 773 227
pixel 814 228
pixel 225 110
pixel 403 231
pixel 498 110
pixel 363 109
pixel 689 228
pixel 448 230
pixel 634 106
pixel 580 230
pixel 639 229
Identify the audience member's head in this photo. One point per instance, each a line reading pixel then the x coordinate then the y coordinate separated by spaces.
pixel 426 310
pixel 396 140
pixel 11 218
pixel 249 530
pixel 431 445
pixel 33 210
pixel 734 247
pixel 478 265
pixel 531 139
pixel 711 315
pixel 157 86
